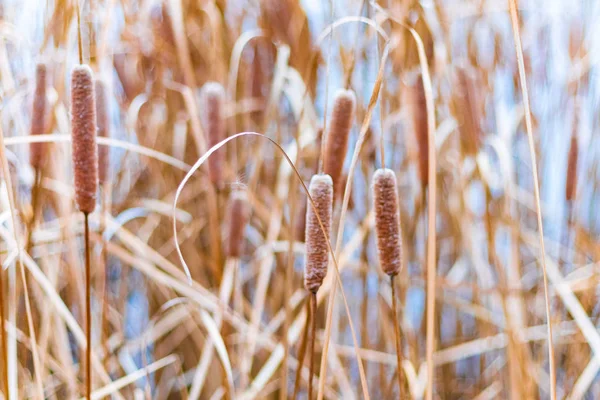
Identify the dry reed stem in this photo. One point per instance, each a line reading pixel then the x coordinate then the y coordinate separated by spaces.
pixel 336 142
pixel 83 130
pixel 213 104
pixel 536 186
pixel 38 117
pixel 387 221
pixel 317 254
pixel 238 212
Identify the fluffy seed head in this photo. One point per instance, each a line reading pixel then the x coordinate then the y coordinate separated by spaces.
pixel 103 120
pixel 571 184
pixel 387 221
pixel 213 105
pixel 238 212
pixel 317 251
pixel 83 136
pixel 38 117
pixel 336 148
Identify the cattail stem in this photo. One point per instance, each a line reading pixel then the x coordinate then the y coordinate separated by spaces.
pixel 88 311
pixel 397 337
pixel 302 352
pixel 313 324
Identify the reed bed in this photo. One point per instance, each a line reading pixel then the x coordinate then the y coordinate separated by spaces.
pixel 287 200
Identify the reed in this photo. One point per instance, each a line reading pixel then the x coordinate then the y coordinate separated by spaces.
pixel 238 212
pixel 389 243
pixel 317 251
pixel 213 106
pixel 37 154
pixel 85 172
pixel 338 132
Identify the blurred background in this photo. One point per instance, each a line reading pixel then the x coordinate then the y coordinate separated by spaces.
pixel 236 332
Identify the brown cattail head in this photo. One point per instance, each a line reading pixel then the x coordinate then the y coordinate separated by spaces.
pixel 414 99
pixel 83 136
pixel 38 117
pixel 213 106
pixel 571 184
pixel 103 120
pixel 238 212
pixel 387 221
pixel 467 108
pixel 336 148
pixel 317 251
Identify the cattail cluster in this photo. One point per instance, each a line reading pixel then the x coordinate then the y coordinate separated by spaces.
pixel 213 106
pixel 571 184
pixel 238 212
pixel 387 221
pixel 103 120
pixel 317 251
pixel 83 135
pixel 38 116
pixel 414 98
pixel 338 133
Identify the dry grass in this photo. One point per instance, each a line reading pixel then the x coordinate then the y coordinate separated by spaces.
pixel 212 118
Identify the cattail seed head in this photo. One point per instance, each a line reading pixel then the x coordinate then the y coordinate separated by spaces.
pixel 467 108
pixel 414 98
pixel 571 184
pixel 213 106
pixel 317 251
pixel 103 120
pixel 387 221
pixel 336 148
pixel 38 117
pixel 83 132
pixel 238 212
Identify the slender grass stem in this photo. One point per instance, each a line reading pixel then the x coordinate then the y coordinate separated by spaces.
pixel 3 338
pixel 88 312
pixel 311 356
pixel 302 352
pixel 397 337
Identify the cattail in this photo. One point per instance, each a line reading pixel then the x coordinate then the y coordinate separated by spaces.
pixel 102 117
pixel 213 103
pixel 317 251
pixel 387 221
pixel 238 212
pixel 336 148
pixel 467 109
pixel 414 98
pixel 83 131
pixel 162 25
pixel 571 185
pixel 38 117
